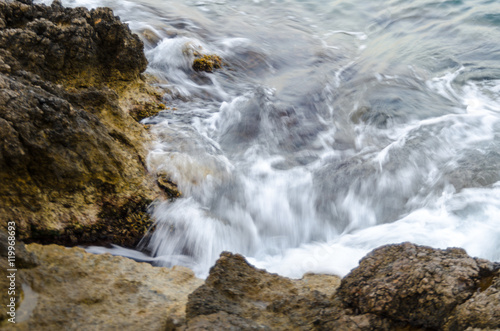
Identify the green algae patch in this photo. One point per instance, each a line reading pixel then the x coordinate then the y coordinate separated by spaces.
pixel 207 63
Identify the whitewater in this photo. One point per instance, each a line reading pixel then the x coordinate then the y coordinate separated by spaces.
pixel 334 127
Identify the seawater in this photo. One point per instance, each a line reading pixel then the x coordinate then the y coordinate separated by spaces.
pixel 335 127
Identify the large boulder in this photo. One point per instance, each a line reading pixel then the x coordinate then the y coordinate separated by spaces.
pixel 414 284
pixel 71 157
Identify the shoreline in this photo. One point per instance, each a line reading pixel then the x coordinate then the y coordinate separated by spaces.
pixel 74 172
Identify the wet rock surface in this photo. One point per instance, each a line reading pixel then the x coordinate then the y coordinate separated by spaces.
pixel 71 157
pixel 481 311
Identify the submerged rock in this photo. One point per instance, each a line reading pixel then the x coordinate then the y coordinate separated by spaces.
pixel 71 157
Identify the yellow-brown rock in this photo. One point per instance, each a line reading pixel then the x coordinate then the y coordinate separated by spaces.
pixel 71 156
pixel 75 290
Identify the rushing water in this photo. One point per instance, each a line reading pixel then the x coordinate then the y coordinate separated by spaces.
pixel 334 128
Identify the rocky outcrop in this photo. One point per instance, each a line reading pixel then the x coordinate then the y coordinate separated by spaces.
pixel 414 284
pixel 395 287
pixel 73 46
pixel 251 298
pixel 237 296
pixel 74 290
pixel 71 157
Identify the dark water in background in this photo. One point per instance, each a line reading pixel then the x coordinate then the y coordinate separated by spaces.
pixel 336 127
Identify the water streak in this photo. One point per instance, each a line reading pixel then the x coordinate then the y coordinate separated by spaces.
pixel 335 127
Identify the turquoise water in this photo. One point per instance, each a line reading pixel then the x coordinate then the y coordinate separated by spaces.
pixel 335 127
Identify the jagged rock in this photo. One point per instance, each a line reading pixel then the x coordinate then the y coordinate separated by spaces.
pixel 75 290
pixel 71 157
pixel 481 311
pixel 395 287
pixel 240 297
pixel 168 186
pixel 71 45
pixel 414 284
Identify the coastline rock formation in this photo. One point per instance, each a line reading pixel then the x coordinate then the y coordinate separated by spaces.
pixel 417 285
pixel 70 289
pixel 72 172
pixel 395 287
pixel 71 157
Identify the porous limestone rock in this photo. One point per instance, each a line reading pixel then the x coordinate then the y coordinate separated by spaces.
pixel 71 157
pixel 75 290
pixel 73 46
pixel 395 287
pixel 240 297
pixel 414 284
pixel 481 311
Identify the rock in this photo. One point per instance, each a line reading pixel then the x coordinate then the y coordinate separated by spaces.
pixel 396 287
pixel 142 111
pixel 240 297
pixel 75 290
pixel 414 284
pixel 481 311
pixel 73 46
pixel 207 63
pixel 223 321
pixel 71 157
pixel 64 163
pixel 23 258
pixel 168 186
